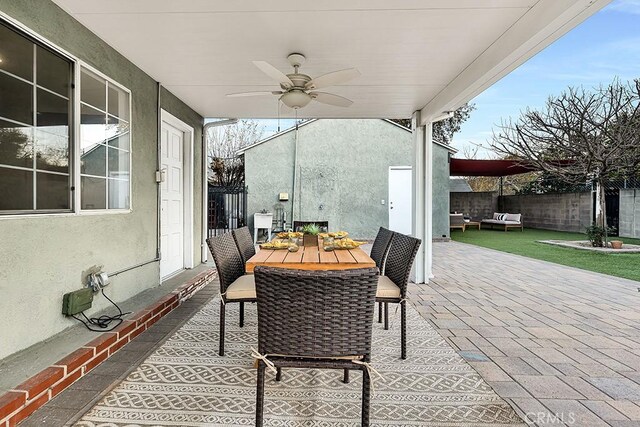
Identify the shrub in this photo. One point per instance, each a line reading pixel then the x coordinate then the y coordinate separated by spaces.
pixel 596 235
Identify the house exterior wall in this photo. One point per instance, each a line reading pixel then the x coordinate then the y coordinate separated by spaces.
pixel 44 257
pixel 343 174
pixel 440 192
pixel 629 213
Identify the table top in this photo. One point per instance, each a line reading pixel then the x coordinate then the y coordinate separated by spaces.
pixel 311 258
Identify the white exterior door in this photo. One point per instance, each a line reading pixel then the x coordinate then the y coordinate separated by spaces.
pixel 172 201
pixel 400 180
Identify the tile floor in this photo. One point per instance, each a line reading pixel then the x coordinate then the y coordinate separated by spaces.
pixel 557 342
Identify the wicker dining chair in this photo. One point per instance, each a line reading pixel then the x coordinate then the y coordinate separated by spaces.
pixel 244 242
pixel 392 286
pixel 315 319
pixel 379 252
pixel 235 286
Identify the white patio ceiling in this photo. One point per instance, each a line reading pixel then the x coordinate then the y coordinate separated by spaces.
pixel 413 54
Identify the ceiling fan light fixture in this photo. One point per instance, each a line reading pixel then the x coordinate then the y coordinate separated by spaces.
pixel 295 99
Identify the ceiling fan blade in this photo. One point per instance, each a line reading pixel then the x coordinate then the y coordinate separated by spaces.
pixel 331 99
pixel 274 73
pixel 333 78
pixel 237 95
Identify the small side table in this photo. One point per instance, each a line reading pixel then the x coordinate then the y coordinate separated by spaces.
pixel 473 224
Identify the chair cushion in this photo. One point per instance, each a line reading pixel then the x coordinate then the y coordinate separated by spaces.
pixel 244 287
pixel 386 288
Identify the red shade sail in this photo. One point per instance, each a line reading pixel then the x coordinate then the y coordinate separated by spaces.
pixel 465 167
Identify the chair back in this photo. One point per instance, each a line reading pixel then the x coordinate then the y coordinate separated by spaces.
pixel 456 219
pixel 244 242
pixel 381 247
pixel 227 258
pixel 315 313
pixel 402 253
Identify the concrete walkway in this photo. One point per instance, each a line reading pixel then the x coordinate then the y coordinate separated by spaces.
pixel 561 345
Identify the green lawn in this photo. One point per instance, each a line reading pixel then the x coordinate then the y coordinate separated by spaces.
pixel 525 243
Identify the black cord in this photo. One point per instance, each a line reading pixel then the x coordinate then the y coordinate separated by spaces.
pixel 103 321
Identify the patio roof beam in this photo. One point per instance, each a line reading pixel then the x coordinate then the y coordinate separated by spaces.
pixel 544 23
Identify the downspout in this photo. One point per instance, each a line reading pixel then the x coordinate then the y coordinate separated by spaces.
pixel 205 195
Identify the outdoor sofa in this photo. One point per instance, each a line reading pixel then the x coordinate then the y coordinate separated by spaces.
pixel 506 220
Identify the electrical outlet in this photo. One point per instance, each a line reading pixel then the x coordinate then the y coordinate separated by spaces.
pixel 77 301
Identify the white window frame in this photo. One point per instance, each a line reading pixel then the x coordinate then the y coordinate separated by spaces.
pixel 74 158
pixel 77 180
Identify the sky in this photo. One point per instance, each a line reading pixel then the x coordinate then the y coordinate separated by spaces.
pixel 605 46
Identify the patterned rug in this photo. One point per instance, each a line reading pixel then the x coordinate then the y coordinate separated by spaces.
pixel 185 383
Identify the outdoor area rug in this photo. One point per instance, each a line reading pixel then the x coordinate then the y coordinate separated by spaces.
pixel 185 383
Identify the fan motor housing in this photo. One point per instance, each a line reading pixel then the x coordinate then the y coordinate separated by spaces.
pixel 299 80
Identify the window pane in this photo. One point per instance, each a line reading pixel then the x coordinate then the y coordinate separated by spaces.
pixel 16 145
pixel 117 133
pixel 16 53
pixel 52 191
pixel 118 194
pixel 53 72
pixel 93 193
pixel 52 133
pixel 93 161
pixel 16 189
pixel 52 150
pixel 52 110
pixel 118 163
pixel 93 127
pixel 16 99
pixel 118 102
pixel 93 90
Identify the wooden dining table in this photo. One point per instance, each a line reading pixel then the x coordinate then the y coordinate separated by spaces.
pixel 311 258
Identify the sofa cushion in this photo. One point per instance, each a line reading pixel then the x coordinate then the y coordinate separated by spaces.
pixel 495 221
pixel 513 217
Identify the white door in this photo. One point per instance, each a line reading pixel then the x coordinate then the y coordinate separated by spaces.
pixel 400 199
pixel 172 201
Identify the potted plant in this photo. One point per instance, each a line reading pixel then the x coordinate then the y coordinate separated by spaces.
pixel 616 244
pixel 310 236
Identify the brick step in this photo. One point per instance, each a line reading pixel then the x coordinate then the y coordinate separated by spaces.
pixel 24 399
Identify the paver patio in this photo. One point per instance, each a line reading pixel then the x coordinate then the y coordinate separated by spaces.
pixel 558 343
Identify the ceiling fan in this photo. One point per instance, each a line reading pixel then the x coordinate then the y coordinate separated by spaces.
pixel 299 89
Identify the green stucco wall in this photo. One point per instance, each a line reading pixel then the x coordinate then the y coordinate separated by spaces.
pixel 43 257
pixel 343 166
pixel 440 192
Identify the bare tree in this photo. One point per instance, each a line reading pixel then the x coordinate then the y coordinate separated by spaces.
pixel 579 136
pixel 223 143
